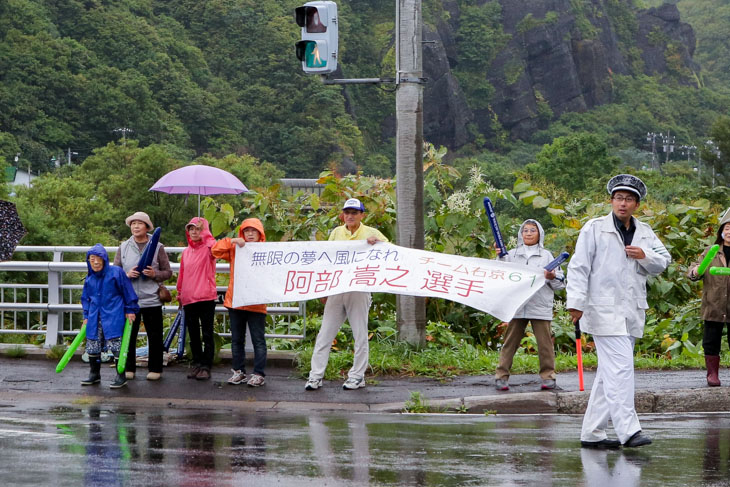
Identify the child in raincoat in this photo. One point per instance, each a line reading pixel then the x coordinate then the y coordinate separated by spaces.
pixel 108 300
pixel 196 292
pixel 251 230
pixel 538 311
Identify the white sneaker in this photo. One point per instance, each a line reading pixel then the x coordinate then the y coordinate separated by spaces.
pixel 313 384
pixel 352 383
pixel 256 380
pixel 238 377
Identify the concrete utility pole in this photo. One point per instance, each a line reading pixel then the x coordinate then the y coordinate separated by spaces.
pixel 411 310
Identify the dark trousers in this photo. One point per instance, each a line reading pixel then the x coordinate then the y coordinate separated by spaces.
pixel 257 327
pixel 712 337
pixel 199 317
pixel 152 318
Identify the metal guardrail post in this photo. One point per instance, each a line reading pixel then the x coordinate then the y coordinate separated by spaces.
pixel 53 318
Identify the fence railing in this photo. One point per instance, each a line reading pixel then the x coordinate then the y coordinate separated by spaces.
pixel 53 309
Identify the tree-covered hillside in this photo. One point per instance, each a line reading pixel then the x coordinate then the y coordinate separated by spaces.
pixel 220 77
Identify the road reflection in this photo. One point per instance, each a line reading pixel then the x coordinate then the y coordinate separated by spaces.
pixel 97 445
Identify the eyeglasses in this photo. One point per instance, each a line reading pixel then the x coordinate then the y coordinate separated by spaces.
pixel 628 199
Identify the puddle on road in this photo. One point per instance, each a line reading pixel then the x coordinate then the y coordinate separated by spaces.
pixel 93 445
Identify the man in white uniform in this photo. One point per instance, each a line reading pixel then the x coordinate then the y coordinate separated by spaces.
pixel 606 288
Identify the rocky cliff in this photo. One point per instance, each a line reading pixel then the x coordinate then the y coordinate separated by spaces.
pixel 556 56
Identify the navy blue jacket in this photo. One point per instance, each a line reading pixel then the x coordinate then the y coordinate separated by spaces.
pixel 108 295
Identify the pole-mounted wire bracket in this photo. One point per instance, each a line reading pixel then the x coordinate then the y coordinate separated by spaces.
pixel 371 81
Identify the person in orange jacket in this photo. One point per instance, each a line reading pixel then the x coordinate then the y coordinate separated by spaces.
pixel 251 230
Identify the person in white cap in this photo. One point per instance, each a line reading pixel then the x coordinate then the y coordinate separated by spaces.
pixel 606 288
pixel 353 306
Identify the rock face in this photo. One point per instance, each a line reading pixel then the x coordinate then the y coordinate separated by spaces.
pixel 565 60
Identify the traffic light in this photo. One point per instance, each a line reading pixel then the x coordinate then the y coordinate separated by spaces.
pixel 318 48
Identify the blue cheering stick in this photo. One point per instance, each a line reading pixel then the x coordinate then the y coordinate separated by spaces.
pixel 489 209
pixel 557 261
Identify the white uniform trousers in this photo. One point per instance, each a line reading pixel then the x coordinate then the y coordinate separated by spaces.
pixel 355 307
pixel 612 394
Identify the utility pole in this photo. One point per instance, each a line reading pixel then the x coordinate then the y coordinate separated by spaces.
pixel 651 137
pixel 411 310
pixel 668 146
pixel 124 131
pixel 71 154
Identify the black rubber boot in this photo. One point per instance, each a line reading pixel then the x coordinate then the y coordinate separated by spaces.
pixel 119 382
pixel 94 371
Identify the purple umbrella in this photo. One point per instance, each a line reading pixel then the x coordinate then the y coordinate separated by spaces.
pixel 199 179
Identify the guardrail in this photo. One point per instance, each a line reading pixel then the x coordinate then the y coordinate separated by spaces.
pixel 62 300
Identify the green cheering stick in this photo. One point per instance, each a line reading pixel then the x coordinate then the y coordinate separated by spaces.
pixel 71 349
pixel 706 261
pixel 122 363
pixel 720 271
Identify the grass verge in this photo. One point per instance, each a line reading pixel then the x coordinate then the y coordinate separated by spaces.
pixel 393 358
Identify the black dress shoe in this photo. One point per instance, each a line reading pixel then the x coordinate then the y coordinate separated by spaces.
pixel 637 440
pixel 602 445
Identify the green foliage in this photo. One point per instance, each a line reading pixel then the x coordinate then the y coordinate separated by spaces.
pixel 17 351
pixel 571 161
pixel 416 403
pixel 56 352
pixel 529 22
pixel 479 38
pixel 709 19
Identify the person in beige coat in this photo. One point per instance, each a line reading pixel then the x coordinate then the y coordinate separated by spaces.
pixel 715 302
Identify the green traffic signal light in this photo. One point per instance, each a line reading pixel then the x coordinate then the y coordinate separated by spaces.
pixel 312 53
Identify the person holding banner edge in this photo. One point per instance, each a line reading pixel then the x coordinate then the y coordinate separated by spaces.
pixel 353 306
pixel 538 310
pixel 613 257
pixel 715 302
pixel 108 300
pixel 156 273
pixel 251 230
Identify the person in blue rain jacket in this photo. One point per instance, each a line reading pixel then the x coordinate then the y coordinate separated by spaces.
pixel 108 300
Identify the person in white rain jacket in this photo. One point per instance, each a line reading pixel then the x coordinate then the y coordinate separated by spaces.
pixel 538 310
pixel 606 289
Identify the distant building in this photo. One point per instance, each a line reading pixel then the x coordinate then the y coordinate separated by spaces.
pixel 304 185
pixel 18 177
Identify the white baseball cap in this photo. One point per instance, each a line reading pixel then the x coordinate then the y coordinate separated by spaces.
pixel 353 204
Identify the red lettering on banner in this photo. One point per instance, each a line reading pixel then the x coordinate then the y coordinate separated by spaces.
pixel 437 282
pixel 426 260
pixel 365 275
pixel 469 287
pixel 461 269
pixel 389 282
pixel 497 275
pixel 479 272
pixel 327 280
pixel 298 281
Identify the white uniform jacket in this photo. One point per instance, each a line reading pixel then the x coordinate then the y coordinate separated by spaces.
pixel 608 286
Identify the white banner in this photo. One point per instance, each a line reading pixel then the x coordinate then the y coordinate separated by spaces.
pixel 281 272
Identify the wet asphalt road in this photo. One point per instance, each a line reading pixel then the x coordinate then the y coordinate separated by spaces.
pixel 34 376
pixel 96 445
